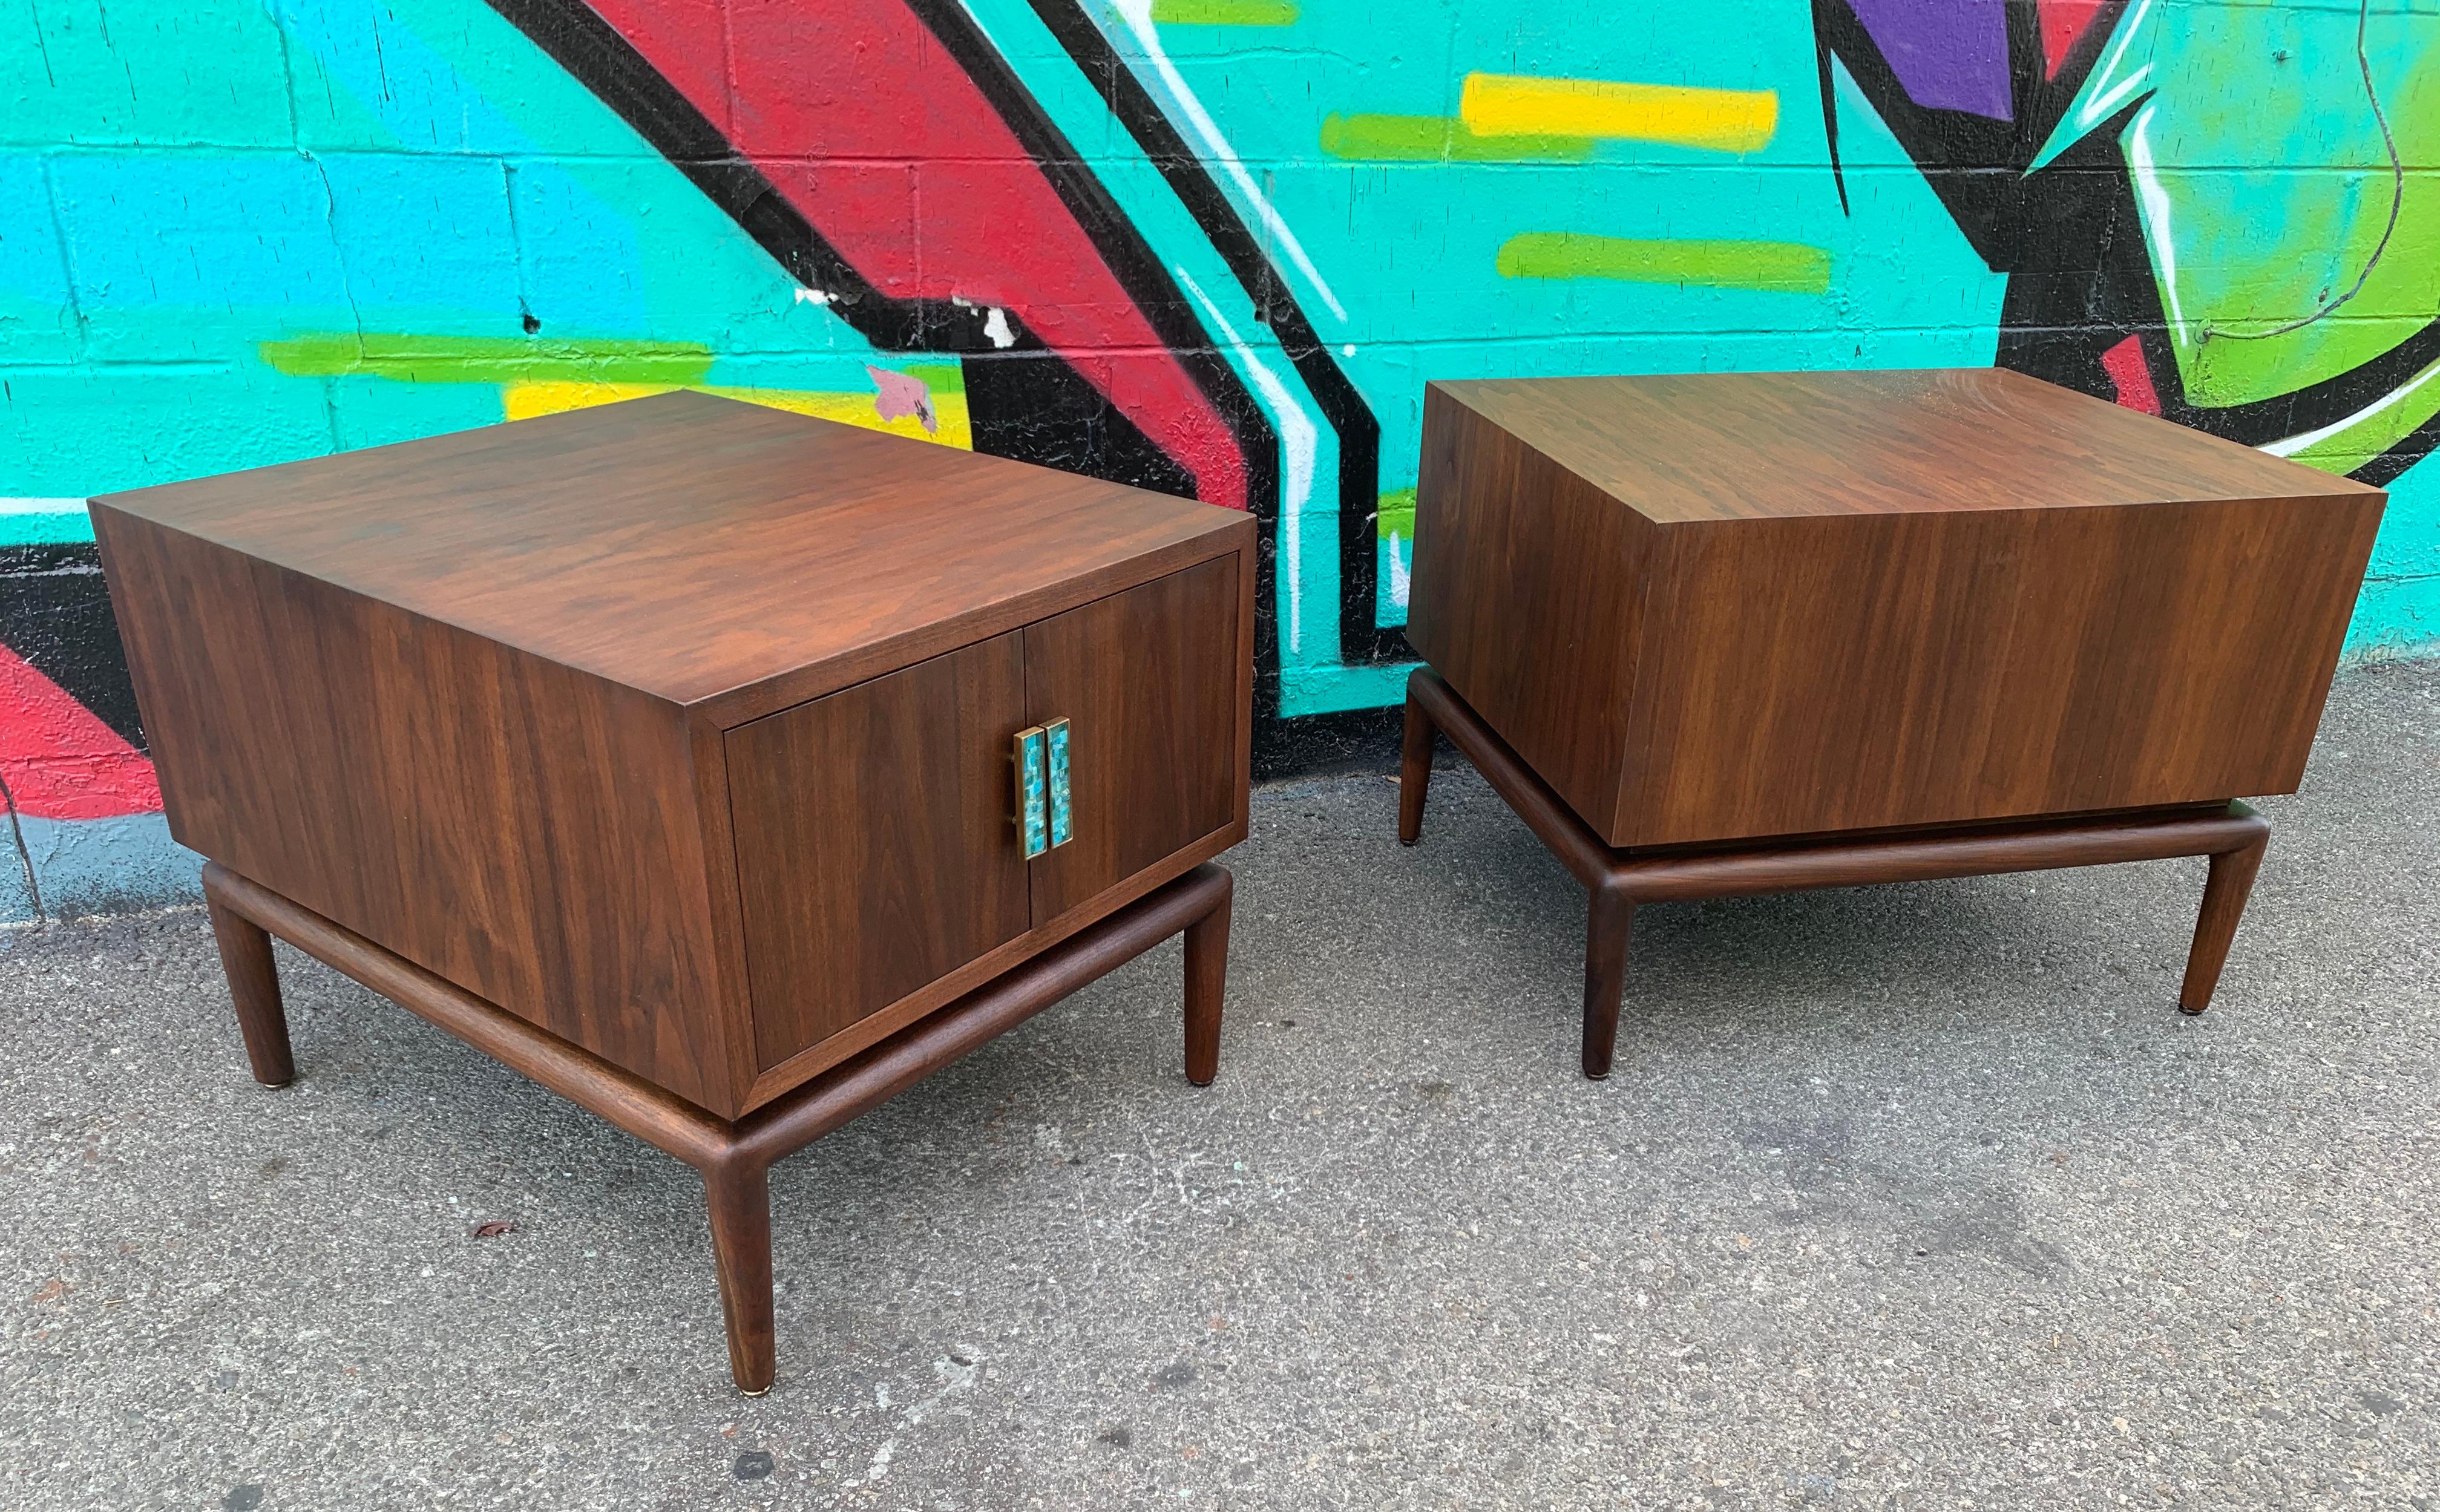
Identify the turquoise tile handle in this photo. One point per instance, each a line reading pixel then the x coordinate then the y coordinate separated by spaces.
pixel 1055 733
pixel 1032 823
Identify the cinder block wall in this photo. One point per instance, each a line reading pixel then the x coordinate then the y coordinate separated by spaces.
pixel 1209 247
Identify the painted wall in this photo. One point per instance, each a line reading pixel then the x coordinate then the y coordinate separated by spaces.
pixel 1210 247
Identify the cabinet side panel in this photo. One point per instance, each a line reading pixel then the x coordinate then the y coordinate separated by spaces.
pixel 522 828
pixel 731 978
pixel 1526 597
pixel 1824 674
pixel 876 851
pixel 1148 681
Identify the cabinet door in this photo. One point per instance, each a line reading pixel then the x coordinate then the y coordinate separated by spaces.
pixel 1147 682
pixel 875 851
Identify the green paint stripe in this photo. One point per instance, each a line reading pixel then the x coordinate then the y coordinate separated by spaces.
pixel 1439 139
pixel 44 522
pixel 940 378
pixel 1224 12
pixel 1785 267
pixel 2375 428
pixel 1396 514
pixel 489 360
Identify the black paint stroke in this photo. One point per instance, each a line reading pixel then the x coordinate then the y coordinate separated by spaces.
pixel 1361 637
pixel 2070 241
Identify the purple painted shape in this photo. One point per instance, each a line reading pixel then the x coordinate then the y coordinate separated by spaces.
pixel 1949 54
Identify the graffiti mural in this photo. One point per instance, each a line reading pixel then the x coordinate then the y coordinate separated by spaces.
pixel 2203 211
pixel 1209 247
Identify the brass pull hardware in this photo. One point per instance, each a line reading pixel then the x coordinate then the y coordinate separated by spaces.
pixel 1032 823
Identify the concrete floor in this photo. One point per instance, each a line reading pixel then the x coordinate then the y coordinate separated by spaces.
pixel 1908 1196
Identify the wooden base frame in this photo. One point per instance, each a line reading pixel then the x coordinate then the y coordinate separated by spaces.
pixel 734 1157
pixel 2232 835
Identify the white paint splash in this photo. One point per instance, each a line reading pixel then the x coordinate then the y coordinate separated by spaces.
pixel 2104 89
pixel 2097 110
pixel 880 1466
pixel 816 296
pixel 1400 574
pixel 2152 203
pixel 995 327
pixel 1138 15
pixel 2294 444
pixel 1298 440
pixel 956 1373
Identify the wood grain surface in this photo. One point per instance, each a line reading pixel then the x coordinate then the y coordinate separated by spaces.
pixel 1740 446
pixel 690 547
pixel 1746 606
pixel 1147 680
pixel 518 826
pixel 679 727
pixel 876 848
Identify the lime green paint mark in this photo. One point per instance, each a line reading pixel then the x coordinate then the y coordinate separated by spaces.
pixel 1397 514
pixel 489 359
pixel 1225 13
pixel 2349 443
pixel 940 378
pixel 1439 139
pixel 1785 267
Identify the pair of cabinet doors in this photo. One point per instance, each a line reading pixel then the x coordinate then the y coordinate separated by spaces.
pixel 880 842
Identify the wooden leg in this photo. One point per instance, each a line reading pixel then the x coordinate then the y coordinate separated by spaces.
pixel 1611 920
pixel 1207 983
pixel 2224 894
pixel 739 1196
pixel 1414 770
pixel 254 986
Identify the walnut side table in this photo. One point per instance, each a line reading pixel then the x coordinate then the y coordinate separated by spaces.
pixel 722 770
pixel 1738 634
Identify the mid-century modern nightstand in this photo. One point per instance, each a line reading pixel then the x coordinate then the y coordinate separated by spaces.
pixel 1750 633
pixel 722 769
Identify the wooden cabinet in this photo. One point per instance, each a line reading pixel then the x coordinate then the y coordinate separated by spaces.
pixel 680 728
pixel 875 852
pixel 880 844
pixel 1737 606
pixel 1736 632
pixel 665 751
pixel 1147 682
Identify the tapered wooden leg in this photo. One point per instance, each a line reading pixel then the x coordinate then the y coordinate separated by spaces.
pixel 254 986
pixel 1207 984
pixel 2224 894
pixel 1611 920
pixel 1414 770
pixel 739 1196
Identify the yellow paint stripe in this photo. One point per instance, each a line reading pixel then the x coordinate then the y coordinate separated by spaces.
pixel 1722 120
pixel 522 402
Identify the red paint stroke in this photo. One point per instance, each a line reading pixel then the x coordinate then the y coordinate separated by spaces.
pixel 882 142
pixel 59 760
pixel 2124 364
pixel 2063 26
